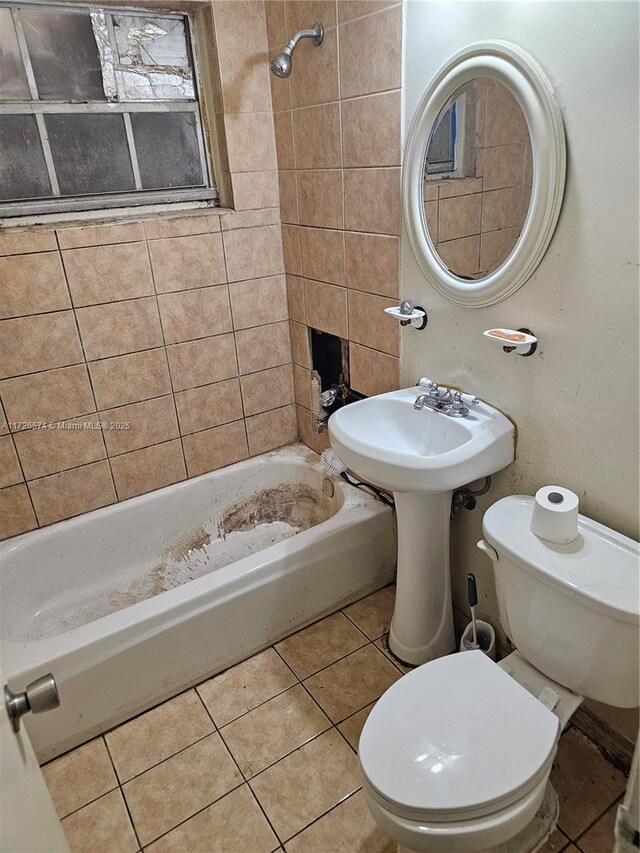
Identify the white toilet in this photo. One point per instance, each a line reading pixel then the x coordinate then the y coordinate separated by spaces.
pixel 456 755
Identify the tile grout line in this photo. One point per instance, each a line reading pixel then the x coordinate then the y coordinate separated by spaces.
pixel 122 794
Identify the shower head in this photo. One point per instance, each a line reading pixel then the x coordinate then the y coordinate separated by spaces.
pixel 281 64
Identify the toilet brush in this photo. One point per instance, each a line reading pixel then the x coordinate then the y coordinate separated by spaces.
pixel 472 595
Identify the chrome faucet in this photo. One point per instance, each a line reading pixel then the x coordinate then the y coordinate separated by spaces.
pixel 441 399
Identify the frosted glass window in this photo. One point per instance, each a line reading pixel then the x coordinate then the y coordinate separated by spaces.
pixel 167 147
pixel 23 171
pixel 13 80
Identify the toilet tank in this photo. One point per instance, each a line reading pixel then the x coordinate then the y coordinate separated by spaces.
pixel 573 610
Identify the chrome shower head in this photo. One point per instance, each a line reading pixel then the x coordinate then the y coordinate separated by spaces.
pixel 282 63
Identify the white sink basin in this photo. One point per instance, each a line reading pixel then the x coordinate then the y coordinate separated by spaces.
pixel 385 440
pixel 421 456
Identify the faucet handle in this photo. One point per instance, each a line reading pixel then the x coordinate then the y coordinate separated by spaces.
pixel 425 382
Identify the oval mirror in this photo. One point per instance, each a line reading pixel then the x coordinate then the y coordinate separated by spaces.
pixel 484 174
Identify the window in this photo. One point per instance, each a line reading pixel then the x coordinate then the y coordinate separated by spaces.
pixel 441 153
pixel 98 108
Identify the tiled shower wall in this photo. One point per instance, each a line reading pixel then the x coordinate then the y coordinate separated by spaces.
pixel 337 125
pixel 178 327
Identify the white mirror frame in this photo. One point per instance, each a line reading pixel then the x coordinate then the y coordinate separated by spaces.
pixel 520 73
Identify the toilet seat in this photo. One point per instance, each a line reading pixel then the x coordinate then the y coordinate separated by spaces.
pixel 455 740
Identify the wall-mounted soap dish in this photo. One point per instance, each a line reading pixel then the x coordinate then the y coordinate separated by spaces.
pixel 523 341
pixel 409 314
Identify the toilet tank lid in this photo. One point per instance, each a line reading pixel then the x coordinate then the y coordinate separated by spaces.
pixel 601 568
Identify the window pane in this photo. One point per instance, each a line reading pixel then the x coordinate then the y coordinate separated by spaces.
pixel 13 80
pixel 64 54
pixel 90 153
pixel 153 59
pixel 167 149
pixel 23 171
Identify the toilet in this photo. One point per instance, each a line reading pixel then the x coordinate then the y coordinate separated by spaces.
pixel 456 755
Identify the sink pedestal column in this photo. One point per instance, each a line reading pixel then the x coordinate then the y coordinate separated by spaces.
pixel 422 624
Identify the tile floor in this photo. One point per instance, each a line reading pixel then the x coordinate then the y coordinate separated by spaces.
pixel 263 758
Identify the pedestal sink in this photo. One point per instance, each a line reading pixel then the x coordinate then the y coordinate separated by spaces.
pixel 421 456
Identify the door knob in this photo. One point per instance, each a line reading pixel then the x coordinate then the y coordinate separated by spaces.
pixel 41 695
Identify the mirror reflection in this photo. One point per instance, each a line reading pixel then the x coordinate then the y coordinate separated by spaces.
pixel 477 178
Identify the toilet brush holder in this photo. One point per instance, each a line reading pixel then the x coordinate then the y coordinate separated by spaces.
pixel 486 638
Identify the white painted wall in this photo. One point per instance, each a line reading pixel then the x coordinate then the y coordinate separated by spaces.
pixel 576 400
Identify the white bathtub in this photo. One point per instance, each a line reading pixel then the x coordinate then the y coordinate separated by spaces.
pixel 132 603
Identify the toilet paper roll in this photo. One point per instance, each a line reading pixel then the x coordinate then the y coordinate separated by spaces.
pixel 555 515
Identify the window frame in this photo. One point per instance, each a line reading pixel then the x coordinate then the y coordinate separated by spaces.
pixel 13 212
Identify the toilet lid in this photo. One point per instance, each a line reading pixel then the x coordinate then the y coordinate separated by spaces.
pixel 456 737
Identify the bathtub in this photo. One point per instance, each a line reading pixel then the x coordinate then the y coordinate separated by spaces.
pixel 132 603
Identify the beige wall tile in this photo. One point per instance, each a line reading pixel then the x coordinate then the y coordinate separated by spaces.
pixel 291 249
pixel 459 216
pixel 80 776
pixel 373 372
pixel 250 142
pixel 326 307
pixel 16 512
pixel 151 422
pixel 371 130
pixel 215 448
pixel 194 314
pixel 505 121
pixel 41 342
pixel 202 362
pixel 295 298
pixel 276 23
pixel 373 263
pixel 209 406
pixel 350 9
pixel 496 246
pixel 253 190
pixel 320 198
pixel 461 256
pixel 300 347
pixel 119 328
pixel 305 425
pixel 241 25
pixel 372 200
pixel 72 492
pixel 147 469
pixel 31 284
pixel 283 127
pixel 501 208
pixel 47 451
pixel 267 389
pixel 130 378
pixel 431 190
pixel 272 429
pixel 457 186
pixel 99 235
pixel 316 77
pixel 280 89
pixel 323 254
pixel 258 301
pixel 301 386
pixel 54 395
pixel 10 472
pixel 182 226
pixel 245 79
pixel 287 181
pixel 184 262
pixel 102 826
pixel 431 213
pixel 503 166
pixel 250 218
pixel 262 347
pixel 253 252
pixel 108 273
pixel 15 242
pixel 369 325
pixel 316 135
pixel 371 54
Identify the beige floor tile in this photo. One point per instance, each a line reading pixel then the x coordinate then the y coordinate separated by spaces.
pixel 182 785
pixel 585 781
pixel 321 644
pixel 556 843
pixel 349 828
pixel 273 730
pixel 352 727
pixel 353 682
pixel 373 613
pixel 245 686
pixel 304 785
pixel 146 740
pixel 101 827
pixel 600 838
pixel 80 776
pixel 234 824
pixel 383 645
